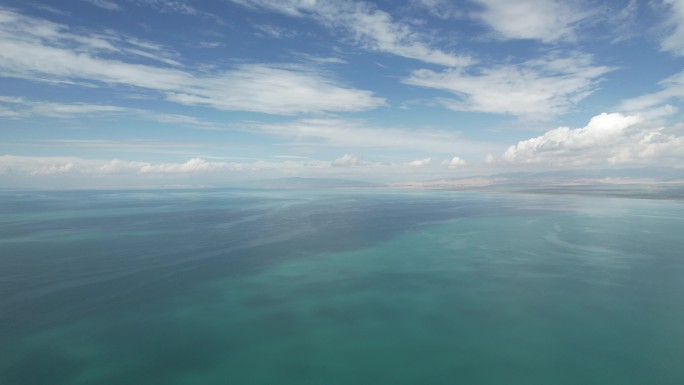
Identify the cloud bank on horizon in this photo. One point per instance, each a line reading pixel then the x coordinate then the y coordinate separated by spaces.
pixel 126 92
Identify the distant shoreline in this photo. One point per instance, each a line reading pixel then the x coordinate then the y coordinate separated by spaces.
pixel 659 191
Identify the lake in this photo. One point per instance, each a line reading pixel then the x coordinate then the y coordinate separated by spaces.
pixel 339 286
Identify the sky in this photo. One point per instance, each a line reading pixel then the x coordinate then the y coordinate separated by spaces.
pixel 218 92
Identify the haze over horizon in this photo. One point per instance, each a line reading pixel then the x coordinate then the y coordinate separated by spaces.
pixel 340 192
pixel 173 92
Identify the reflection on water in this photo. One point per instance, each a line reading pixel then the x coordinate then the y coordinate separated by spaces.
pixel 339 287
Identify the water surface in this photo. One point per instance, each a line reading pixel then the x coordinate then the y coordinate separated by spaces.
pixel 339 287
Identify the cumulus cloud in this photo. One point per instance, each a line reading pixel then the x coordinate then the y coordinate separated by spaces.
pixel 45 166
pixel 545 20
pixel 346 160
pixel 366 26
pixel 33 166
pixel 420 162
pixel 608 139
pixel 26 165
pixel 192 165
pixel 38 50
pixel 27 171
pixel 454 162
pixel 536 89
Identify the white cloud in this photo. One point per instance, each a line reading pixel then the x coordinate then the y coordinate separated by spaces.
pixel 346 133
pixel 536 89
pixel 210 44
pixel 288 7
pixel 444 9
pixel 36 166
pixel 366 26
pixel 32 166
pixel 192 165
pixel 174 6
pixel 274 90
pixel 22 107
pixel 11 99
pixel 454 162
pixel 625 21
pixel 268 30
pixel 8 113
pixel 18 31
pixel 68 110
pixel 602 130
pixel 18 171
pixel 672 89
pixel 105 4
pixel 546 20
pixel 178 119
pixel 608 139
pixel 310 135
pixel 347 160
pixel 17 107
pixel 179 148
pixel 420 162
pixel 674 41
pixel 306 58
pixel 29 166
pixel 38 50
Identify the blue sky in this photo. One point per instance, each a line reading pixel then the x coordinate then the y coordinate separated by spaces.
pixel 137 92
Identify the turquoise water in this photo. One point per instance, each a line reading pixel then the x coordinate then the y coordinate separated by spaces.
pixel 339 287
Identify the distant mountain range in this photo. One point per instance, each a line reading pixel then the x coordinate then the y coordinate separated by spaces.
pixel 651 182
pixel 310 183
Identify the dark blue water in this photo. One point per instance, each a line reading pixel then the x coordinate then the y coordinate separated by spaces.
pixel 339 287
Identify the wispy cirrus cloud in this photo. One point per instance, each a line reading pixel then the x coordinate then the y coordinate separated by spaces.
pixel 286 90
pixel 174 6
pixel 674 39
pixel 443 9
pixel 38 50
pixel 672 90
pixel 335 133
pixel 105 4
pixel 139 146
pixel 548 21
pixel 19 32
pixel 366 26
pixel 21 108
pixel 536 89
